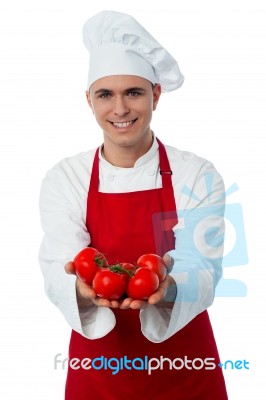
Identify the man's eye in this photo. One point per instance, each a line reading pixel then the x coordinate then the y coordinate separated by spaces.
pixel 134 94
pixel 105 95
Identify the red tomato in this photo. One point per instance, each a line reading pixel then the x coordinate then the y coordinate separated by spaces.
pixel 130 268
pixel 143 284
pixel 87 262
pixel 108 284
pixel 154 263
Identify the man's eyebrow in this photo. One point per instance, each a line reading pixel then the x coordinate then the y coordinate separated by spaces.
pixel 103 91
pixel 135 89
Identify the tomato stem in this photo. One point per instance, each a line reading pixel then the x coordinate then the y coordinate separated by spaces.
pixel 100 260
pixel 118 268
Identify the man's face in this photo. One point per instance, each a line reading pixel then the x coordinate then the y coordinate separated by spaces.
pixel 123 106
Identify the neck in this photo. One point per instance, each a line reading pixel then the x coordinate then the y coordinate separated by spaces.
pixel 125 156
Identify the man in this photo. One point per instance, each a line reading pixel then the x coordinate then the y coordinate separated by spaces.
pixel 126 199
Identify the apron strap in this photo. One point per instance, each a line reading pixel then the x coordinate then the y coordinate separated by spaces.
pixel 94 183
pixel 165 169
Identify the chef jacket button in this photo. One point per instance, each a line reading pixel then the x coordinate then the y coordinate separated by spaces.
pixel 151 172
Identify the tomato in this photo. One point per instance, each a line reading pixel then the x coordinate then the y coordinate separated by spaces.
pixel 87 262
pixel 129 270
pixel 108 284
pixel 143 284
pixel 154 263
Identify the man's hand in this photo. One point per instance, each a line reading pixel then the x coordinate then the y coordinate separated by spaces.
pixel 86 296
pixel 163 297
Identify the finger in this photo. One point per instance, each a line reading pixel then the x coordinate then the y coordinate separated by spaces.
pixel 114 304
pixel 169 261
pixel 158 295
pixel 138 304
pixel 85 291
pixel 102 302
pixel 126 303
pixel 90 292
pixel 69 268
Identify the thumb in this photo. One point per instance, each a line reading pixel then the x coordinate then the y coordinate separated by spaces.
pixel 69 268
pixel 169 261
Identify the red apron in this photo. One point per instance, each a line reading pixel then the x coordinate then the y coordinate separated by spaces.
pixel 121 226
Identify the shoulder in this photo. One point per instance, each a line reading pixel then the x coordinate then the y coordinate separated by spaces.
pixel 195 179
pixel 186 162
pixel 72 166
pixel 68 180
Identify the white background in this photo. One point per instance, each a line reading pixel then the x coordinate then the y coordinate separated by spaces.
pixel 219 113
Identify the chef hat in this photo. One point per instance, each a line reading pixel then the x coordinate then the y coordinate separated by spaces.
pixel 119 45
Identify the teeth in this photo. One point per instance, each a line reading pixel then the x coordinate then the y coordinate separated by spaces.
pixel 122 124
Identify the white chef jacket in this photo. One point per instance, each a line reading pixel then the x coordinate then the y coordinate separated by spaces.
pixel 63 205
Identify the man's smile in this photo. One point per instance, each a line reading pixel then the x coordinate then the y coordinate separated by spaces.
pixel 123 124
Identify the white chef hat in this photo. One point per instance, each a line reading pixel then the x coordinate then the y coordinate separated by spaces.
pixel 119 45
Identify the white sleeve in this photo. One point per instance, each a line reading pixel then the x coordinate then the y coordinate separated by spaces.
pixel 197 256
pixel 65 234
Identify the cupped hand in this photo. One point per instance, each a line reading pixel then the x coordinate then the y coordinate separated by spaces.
pixel 166 287
pixel 86 296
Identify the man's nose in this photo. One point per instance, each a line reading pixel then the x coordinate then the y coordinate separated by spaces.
pixel 120 106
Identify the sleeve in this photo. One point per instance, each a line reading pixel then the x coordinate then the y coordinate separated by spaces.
pixel 65 234
pixel 199 238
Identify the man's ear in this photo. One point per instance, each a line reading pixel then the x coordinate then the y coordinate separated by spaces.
pixel 88 96
pixel 157 90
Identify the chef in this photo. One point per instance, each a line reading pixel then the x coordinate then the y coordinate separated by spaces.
pixel 131 196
